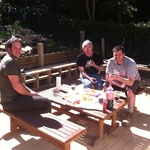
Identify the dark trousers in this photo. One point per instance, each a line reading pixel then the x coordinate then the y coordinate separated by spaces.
pixel 24 103
pixel 134 87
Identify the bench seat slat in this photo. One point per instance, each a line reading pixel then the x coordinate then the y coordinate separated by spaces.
pixel 39 121
pixel 67 69
pixel 69 127
pixel 48 126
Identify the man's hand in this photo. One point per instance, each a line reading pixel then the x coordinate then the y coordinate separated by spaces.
pixel 91 63
pixel 114 79
pixel 93 80
pixel 113 76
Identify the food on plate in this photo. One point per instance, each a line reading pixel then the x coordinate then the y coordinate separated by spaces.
pixel 78 98
pixel 85 97
pixel 68 96
pixel 89 90
pixel 92 92
pixel 72 98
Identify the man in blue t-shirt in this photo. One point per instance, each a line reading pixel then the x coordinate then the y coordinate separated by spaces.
pixel 90 65
pixel 122 73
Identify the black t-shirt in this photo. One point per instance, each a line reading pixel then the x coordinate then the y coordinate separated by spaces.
pixel 83 60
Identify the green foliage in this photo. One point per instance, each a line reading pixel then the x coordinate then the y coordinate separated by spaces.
pixel 29 38
pixel 50 47
pixel 139 32
pixel 4 34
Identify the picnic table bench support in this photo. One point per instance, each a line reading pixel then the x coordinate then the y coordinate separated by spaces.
pixel 101 128
pixel 14 128
pixel 114 125
pixel 56 131
pixel 100 123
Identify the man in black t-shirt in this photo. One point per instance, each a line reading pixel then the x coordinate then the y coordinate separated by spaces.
pixel 90 65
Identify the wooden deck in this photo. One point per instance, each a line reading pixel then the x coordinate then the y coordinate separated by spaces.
pixel 135 137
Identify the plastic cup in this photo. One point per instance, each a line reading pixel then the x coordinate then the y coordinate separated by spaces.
pixel 58 83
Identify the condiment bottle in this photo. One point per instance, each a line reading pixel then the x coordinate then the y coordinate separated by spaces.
pixel 110 97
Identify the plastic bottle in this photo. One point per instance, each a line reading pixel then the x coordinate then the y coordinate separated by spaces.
pixel 110 97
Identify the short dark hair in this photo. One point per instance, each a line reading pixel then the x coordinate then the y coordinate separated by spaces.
pixel 118 48
pixel 12 40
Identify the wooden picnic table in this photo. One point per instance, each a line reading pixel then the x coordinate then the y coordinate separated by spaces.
pixel 61 105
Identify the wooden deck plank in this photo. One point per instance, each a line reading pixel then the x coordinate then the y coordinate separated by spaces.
pixel 136 136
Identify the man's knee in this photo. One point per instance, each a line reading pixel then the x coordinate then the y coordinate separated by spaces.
pixel 129 92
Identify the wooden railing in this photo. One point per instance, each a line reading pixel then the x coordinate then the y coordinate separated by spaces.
pixel 47 75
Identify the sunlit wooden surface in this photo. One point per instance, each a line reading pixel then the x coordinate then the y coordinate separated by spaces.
pixel 134 137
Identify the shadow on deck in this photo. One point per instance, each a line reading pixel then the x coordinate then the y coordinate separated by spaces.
pixel 134 137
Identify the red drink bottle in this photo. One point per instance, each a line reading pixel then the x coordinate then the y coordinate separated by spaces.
pixel 104 105
pixel 110 97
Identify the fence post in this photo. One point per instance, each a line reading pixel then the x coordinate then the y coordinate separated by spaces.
pixel 82 38
pixel 40 54
pixel 103 47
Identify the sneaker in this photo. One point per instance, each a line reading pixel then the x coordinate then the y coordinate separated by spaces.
pixel 128 120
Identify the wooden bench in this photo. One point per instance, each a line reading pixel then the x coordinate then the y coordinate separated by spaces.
pixel 48 73
pixel 46 125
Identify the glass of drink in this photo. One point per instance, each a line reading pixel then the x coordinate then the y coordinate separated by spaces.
pixel 73 86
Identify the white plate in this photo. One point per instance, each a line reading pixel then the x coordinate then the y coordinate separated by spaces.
pixel 82 98
pixel 72 98
pixel 92 92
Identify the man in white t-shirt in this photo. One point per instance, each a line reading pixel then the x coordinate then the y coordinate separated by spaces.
pixel 122 73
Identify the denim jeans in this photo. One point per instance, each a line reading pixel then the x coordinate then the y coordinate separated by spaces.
pixel 89 84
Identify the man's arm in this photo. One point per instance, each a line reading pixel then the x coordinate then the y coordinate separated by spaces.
pixel 127 81
pixel 98 67
pixel 84 74
pixel 113 78
pixel 20 87
pixel 109 80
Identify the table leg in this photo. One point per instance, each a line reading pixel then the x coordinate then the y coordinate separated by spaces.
pixel 64 108
pixel 101 128
pixel 114 125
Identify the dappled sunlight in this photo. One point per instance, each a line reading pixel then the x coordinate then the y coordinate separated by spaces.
pixel 140 132
pixel 141 138
pixel 12 143
pixel 143 103
pixel 26 137
pixel 77 146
